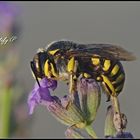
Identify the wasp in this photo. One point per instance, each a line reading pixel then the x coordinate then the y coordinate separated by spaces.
pixel 68 60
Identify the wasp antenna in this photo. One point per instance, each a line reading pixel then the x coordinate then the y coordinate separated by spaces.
pixel 33 69
pixel 37 81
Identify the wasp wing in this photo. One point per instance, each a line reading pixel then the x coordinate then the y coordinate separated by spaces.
pixel 107 51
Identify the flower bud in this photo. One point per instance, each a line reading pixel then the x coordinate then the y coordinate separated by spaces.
pixel 109 129
pixel 90 96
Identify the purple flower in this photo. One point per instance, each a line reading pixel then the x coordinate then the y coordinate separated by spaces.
pixel 8 14
pixel 124 135
pixel 8 8
pixel 121 135
pixel 40 95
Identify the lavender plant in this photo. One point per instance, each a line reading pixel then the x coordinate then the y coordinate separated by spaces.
pixel 77 112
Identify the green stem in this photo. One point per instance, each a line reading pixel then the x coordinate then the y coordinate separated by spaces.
pixel 5 107
pixel 91 132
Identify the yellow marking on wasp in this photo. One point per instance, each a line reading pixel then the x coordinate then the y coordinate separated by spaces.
pixel 106 80
pixel 53 51
pixel 119 87
pixel 107 65
pixel 46 69
pixel 98 78
pixel 74 77
pixel 53 70
pixel 115 70
pixel 119 78
pixel 71 68
pixel 95 61
pixel 105 88
pixel 86 75
pixel 71 64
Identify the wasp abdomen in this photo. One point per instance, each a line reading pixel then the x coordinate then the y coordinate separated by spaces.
pixel 110 73
pixel 116 76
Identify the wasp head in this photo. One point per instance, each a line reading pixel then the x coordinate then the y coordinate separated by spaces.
pixel 43 65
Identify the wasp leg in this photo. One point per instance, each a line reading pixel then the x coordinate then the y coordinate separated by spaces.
pixel 116 108
pixel 71 88
pixel 106 91
pixel 113 96
pixel 72 68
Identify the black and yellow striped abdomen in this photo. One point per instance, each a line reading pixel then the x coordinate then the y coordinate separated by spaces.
pixel 110 73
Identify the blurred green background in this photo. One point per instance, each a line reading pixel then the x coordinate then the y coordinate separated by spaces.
pixel 36 24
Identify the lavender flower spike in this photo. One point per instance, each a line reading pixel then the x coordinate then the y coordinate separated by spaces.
pixel 90 97
pixel 78 113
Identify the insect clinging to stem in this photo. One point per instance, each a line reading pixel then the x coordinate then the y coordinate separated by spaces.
pixel 67 60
